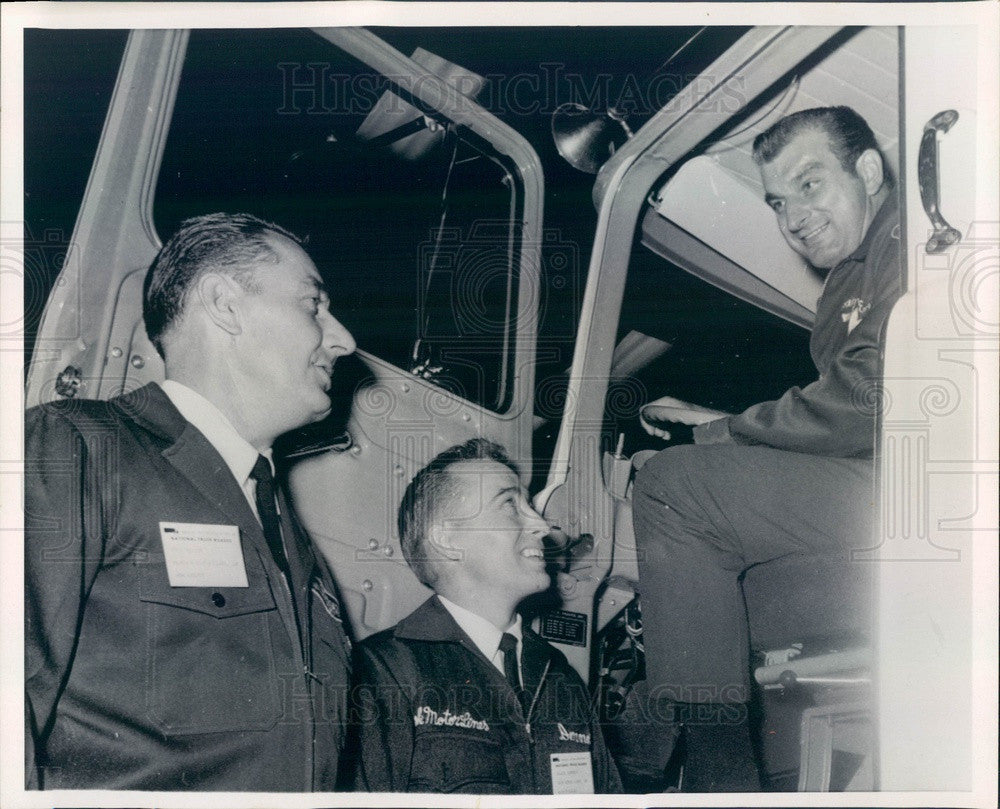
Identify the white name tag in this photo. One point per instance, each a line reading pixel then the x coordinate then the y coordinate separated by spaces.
pixel 572 773
pixel 203 555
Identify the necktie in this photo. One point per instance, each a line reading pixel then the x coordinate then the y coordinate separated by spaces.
pixel 268 511
pixel 508 645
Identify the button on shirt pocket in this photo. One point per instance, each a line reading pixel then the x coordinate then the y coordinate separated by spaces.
pixel 210 658
pixel 446 760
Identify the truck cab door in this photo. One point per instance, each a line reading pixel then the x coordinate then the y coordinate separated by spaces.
pixel 401 418
pixel 939 432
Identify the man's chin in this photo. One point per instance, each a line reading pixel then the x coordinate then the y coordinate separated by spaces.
pixel 539 585
pixel 319 411
pixel 819 261
pixel 829 257
pixel 322 414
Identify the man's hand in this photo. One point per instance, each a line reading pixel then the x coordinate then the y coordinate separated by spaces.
pixel 667 410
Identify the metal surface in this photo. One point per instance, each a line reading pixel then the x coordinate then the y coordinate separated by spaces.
pixel 399 421
pixel 114 233
pixel 928 168
pixel 829 729
pixel 937 461
pixel 586 139
pixel 825 665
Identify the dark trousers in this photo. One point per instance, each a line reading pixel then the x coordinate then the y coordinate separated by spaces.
pixel 703 515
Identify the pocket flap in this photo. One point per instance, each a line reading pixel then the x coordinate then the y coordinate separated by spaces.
pixel 449 760
pixel 221 602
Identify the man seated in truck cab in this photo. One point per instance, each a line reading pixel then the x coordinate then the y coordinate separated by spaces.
pixel 790 476
pixel 460 696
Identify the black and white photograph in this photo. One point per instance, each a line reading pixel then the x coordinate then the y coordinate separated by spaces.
pixel 499 404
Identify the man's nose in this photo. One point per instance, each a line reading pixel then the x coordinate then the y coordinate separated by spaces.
pixel 796 216
pixel 337 340
pixel 534 522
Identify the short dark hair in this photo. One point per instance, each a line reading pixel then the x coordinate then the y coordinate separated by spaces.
pixel 432 487
pixel 848 132
pixel 219 242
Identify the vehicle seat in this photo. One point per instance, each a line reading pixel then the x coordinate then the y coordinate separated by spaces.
pixel 824 606
pixel 807 599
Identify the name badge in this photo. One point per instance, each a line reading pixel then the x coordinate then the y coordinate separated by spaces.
pixel 572 773
pixel 203 555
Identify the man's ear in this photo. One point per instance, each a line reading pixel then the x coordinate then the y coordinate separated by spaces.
pixel 218 295
pixel 871 171
pixel 440 540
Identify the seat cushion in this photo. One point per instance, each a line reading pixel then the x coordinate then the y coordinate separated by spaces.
pixel 808 599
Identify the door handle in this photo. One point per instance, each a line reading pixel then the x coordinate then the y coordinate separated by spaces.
pixel 944 234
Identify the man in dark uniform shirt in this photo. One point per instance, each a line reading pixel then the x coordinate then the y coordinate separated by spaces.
pixel 461 696
pixel 790 476
pixel 180 632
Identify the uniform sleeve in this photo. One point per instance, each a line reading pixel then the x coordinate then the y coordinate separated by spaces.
pixel 713 432
pixel 836 414
pixel 383 724
pixel 63 546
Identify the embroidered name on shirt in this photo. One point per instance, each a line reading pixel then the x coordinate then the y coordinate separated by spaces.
pixel 572 735
pixel 852 311
pixel 426 715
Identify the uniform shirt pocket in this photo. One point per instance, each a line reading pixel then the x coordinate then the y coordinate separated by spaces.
pixel 210 659
pixel 446 760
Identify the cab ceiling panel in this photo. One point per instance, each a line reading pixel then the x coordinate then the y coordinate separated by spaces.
pixel 862 73
pixel 717 197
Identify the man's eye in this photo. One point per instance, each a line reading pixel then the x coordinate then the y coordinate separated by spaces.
pixel 810 185
pixel 777 205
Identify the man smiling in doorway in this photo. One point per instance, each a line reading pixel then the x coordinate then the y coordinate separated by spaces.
pixel 786 477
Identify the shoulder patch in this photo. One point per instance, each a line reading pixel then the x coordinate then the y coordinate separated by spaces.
pixel 852 311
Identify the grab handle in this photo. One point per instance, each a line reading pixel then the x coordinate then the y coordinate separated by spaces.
pixel 944 234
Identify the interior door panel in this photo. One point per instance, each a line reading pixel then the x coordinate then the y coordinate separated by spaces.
pixel 348 499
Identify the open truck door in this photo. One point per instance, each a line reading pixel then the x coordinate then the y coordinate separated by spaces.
pixel 938 438
pixel 898 682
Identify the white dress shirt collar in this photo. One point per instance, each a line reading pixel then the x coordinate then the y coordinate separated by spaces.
pixel 239 455
pixel 484 634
